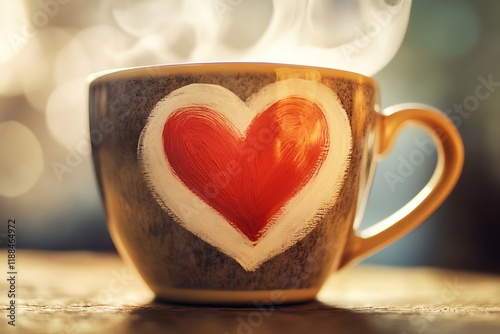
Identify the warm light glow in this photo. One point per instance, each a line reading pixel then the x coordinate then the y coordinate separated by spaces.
pixel 66 114
pixel 146 17
pixel 12 36
pixel 47 53
pixel 21 159
pixel 360 36
pixel 91 51
pixel 38 81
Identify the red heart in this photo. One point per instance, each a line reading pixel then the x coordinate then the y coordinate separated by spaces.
pixel 247 178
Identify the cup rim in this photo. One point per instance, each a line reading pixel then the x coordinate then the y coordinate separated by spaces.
pixel 217 66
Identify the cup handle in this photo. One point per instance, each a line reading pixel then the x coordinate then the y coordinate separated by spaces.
pixel 448 168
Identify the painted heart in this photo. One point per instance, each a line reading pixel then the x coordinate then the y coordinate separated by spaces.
pixel 250 178
pixel 247 178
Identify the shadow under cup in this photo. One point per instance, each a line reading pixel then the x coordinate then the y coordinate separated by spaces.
pixel 243 182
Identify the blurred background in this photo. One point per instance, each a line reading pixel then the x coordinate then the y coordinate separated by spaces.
pixel 449 58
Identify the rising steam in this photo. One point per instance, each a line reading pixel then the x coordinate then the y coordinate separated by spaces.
pixel 355 35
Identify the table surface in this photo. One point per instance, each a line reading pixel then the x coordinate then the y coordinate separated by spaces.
pixel 81 292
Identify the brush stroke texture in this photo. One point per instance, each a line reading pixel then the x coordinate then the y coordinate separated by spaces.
pixel 247 179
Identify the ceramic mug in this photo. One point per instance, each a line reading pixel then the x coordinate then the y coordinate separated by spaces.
pixel 245 182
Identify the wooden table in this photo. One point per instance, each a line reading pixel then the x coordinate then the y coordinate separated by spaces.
pixel 96 293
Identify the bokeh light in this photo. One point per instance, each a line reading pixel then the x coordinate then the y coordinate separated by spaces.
pixel 12 36
pixel 90 51
pixel 66 112
pixel 38 83
pixel 140 19
pixel 21 159
pixel 45 59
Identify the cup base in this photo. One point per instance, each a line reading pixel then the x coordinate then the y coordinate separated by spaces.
pixel 218 297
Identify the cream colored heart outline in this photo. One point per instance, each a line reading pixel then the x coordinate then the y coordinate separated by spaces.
pixel 299 216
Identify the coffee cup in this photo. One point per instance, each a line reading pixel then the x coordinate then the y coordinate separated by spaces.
pixel 235 183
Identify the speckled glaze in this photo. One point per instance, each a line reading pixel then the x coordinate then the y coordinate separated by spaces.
pixel 172 260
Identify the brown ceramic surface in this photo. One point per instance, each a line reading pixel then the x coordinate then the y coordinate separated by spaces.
pixel 172 259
